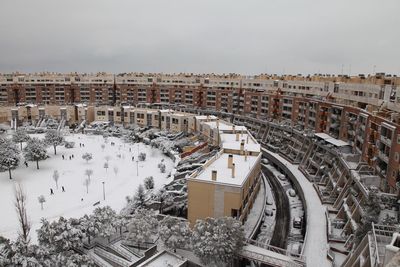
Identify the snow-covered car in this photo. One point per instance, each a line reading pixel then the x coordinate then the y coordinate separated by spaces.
pixel 297 222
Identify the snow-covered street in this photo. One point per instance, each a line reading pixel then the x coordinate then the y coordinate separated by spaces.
pixel 120 180
pixel 316 245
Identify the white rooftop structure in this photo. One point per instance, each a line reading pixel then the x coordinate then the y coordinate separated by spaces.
pixel 330 139
pixel 204 117
pixel 229 142
pixel 224 174
pixel 223 126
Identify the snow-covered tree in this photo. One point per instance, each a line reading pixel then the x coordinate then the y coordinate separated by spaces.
pixel 6 252
pixel 107 158
pixel 61 235
pixel 149 182
pixel 120 222
pixel 53 138
pixel 20 207
pixel 105 216
pixel 105 166
pixel 216 240
pixel 56 177
pixel 174 233
pixel 115 170
pixel 102 147
pixel 139 197
pixel 89 173
pixel 87 156
pixel 20 136
pixel 41 200
pixel 165 199
pixel 9 156
pixel 142 226
pixel 89 226
pixel 142 156
pixel 162 167
pixel 35 150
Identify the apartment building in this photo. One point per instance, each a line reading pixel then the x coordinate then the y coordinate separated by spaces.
pixel 228 183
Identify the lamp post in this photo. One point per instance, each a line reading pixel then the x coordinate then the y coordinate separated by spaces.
pixel 137 167
pixel 104 191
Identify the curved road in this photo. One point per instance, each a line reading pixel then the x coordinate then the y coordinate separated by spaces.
pixel 282 217
pixel 316 243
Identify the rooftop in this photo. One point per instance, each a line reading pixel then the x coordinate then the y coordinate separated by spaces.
pixel 224 174
pixel 331 140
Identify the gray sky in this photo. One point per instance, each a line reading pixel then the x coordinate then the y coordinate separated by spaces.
pixel 204 36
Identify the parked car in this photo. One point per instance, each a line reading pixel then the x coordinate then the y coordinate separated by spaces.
pixel 297 222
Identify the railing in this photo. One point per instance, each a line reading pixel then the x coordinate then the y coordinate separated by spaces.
pixel 112 257
pixel 272 261
pixel 295 256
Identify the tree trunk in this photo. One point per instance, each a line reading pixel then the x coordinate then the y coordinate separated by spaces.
pixel 9 171
pixel 21 146
pixel 55 150
pixel 57 184
pixel 37 164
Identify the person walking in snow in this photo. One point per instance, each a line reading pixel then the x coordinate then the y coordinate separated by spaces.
pixel 62 156
pixel 80 145
pixel 133 158
pixel 62 188
pixel 69 157
pixel 72 155
pixel 51 191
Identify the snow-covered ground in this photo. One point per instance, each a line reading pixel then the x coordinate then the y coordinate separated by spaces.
pixel 316 244
pixel 75 202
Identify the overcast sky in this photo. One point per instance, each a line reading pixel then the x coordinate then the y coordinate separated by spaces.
pixel 204 36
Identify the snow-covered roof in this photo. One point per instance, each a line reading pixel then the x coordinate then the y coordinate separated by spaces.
pixel 224 174
pixel 331 140
pixel 229 142
pixel 204 117
pixel 223 126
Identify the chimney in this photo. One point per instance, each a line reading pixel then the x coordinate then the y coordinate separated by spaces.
pixel 230 161
pixel 233 170
pixel 237 136
pixel 241 147
pixel 246 153
pixel 214 175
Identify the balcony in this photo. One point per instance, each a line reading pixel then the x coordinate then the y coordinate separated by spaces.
pixel 383 157
pixel 386 141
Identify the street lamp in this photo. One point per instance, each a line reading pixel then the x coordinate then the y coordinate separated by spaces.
pixel 137 167
pixel 104 191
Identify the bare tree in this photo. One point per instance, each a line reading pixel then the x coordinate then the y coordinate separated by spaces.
pixel 107 158
pixel 56 176
pixel 20 207
pixel 41 200
pixel 115 170
pixel 87 183
pixel 89 173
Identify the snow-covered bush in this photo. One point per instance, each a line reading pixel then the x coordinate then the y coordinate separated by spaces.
pixel 87 156
pixel 35 150
pixel 174 233
pixel 149 182
pixel 41 200
pixel 53 138
pixel 142 156
pixel 20 136
pixel 216 240
pixel 9 156
pixel 69 144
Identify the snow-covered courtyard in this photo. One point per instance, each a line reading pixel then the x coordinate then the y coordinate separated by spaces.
pixel 120 180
